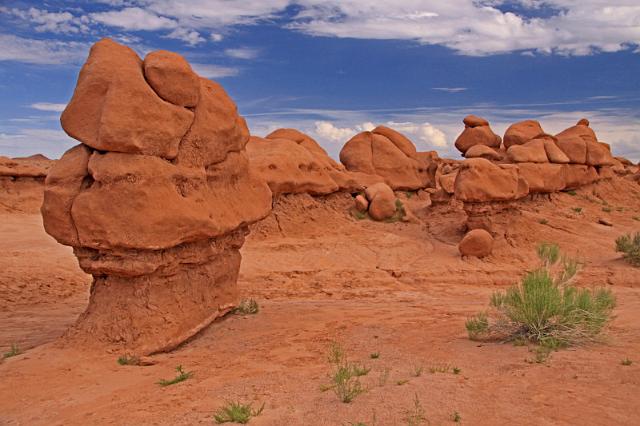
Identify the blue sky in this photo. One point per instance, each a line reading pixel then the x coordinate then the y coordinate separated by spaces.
pixel 333 68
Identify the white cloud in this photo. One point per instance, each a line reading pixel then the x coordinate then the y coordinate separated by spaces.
pixel 24 142
pixel 242 53
pixel 45 21
pixel 135 19
pixel 328 131
pixel 14 48
pixel 188 36
pixel 46 106
pixel 216 37
pixel 214 71
pixel 450 89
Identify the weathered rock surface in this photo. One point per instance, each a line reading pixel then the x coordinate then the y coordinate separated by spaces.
pixel 522 132
pixel 387 153
pixel 22 183
pixel 483 151
pixel 529 152
pixel 382 201
pixel 477 242
pixel 160 237
pixel 476 132
pixel 480 180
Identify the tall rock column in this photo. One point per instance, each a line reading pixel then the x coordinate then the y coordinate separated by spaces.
pixel 155 201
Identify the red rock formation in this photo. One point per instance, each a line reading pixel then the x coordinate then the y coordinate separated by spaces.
pixel 480 180
pixel 476 132
pixel 155 201
pixel 522 132
pixel 22 183
pixel 477 242
pixel 390 155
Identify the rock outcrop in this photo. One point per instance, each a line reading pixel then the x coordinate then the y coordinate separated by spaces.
pixel 155 200
pixel 22 183
pixel 386 153
pixel 476 132
pixel 522 132
pixel 480 180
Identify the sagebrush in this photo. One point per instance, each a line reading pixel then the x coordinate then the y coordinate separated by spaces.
pixel 545 308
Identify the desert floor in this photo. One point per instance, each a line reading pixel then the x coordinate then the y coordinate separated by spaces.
pixel 321 276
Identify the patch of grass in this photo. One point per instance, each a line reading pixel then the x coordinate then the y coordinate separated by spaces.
pixel 345 379
pixel 399 214
pixel 180 377
pixel 402 382
pixel 456 370
pixel 417 371
pixel 543 221
pixel 456 417
pixel 439 369
pixel 128 360
pixel 247 307
pixel 629 245
pixel 359 215
pixel 577 209
pixel 236 412
pixel 626 362
pixel 415 415
pixel 374 355
pixel 545 309
pixel 13 351
pixel 606 209
pixel 572 193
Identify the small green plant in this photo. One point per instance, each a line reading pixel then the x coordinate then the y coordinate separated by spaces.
pixel 180 377
pixel 399 214
pixel 417 371
pixel 374 355
pixel 606 209
pixel 247 307
pixel 359 215
pixel 630 247
pixel 545 309
pixel 626 362
pixel 577 209
pixel 236 412
pixel 543 221
pixel 415 415
pixel 572 193
pixel 345 379
pixel 128 360
pixel 456 370
pixel 402 382
pixel 15 350
pixel 456 417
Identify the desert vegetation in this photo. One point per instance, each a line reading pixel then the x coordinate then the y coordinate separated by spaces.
pixel 236 412
pixel 545 308
pixel 629 246
pixel 181 376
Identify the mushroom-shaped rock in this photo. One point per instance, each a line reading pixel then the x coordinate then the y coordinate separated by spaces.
pixel 386 153
pixel 530 152
pixel 476 132
pixel 288 167
pixel 160 238
pixel 522 132
pixel 483 151
pixel 477 242
pixel 480 180
pixel 382 201
pixel 172 78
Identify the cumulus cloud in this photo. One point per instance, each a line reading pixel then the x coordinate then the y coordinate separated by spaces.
pixel 190 37
pixel 43 52
pixel 45 21
pixel 134 18
pixel 328 131
pixel 46 106
pixel 214 71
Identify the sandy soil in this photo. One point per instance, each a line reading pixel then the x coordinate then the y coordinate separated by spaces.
pixel 321 276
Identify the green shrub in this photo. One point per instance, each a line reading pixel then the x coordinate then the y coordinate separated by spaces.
pixel 180 377
pixel 247 307
pixel 545 309
pixel 128 360
pixel 630 247
pixel 15 350
pixel 236 412
pixel 345 380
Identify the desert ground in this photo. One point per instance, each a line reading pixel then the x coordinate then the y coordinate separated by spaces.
pixel 400 290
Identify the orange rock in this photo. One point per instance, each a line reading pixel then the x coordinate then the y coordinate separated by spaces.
pixel 575 148
pixel 577 175
pixel 483 151
pixel 477 242
pixel 480 180
pixel 554 153
pixel 172 78
pixel 530 152
pixel 105 111
pixel 522 132
pixel 382 201
pixel 543 177
pixel 394 160
pixel 362 205
pixel 476 132
pixel 598 154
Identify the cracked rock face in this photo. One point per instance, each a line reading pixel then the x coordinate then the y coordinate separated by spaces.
pixel 155 200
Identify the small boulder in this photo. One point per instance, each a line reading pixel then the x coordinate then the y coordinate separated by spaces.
pixel 598 154
pixel 483 151
pixel 172 78
pixel 574 148
pixel 522 132
pixel 477 242
pixel 554 153
pixel 362 205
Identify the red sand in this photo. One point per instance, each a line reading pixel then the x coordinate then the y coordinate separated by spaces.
pixel 398 289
